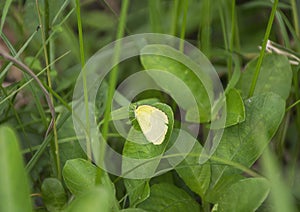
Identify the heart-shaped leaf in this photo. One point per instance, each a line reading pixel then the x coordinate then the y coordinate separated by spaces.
pixel 54 195
pixel 275 76
pixel 142 157
pixel 245 142
pixel 167 197
pixel 244 195
pixel 167 59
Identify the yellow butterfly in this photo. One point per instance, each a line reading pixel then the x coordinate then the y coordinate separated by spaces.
pixel 153 123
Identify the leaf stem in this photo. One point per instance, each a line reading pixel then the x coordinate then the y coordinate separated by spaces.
pixel 263 49
pixel 154 15
pixel 183 26
pixel 175 18
pixel 45 34
pixel 295 17
pixel 84 81
pixel 114 73
pixel 231 39
pixel 204 28
pixel 292 105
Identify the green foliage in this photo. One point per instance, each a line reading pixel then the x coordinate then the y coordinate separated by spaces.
pixel 54 195
pixel 255 167
pixel 137 190
pixel 244 195
pixel 196 177
pixel 165 58
pixel 177 199
pixel 144 150
pixel 94 200
pixel 275 76
pixel 79 175
pixel 245 142
pixel 14 189
pixel 234 107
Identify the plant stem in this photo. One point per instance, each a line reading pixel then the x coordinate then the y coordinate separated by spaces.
pixel 232 35
pixel 113 75
pixel 45 34
pixel 154 14
pixel 295 17
pixel 204 28
pixel 175 18
pixel 292 105
pixel 25 68
pixel 84 81
pixel 263 49
pixel 183 26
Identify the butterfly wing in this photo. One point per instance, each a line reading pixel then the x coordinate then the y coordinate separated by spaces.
pixel 153 123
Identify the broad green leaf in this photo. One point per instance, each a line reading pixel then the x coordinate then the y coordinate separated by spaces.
pixel 137 190
pixel 245 142
pixel 79 175
pixel 94 200
pixel 275 76
pixel 167 197
pixel 54 195
pixel 142 150
pixel 14 189
pixel 168 59
pixel 245 195
pixel 214 194
pixel 234 107
pixel 195 176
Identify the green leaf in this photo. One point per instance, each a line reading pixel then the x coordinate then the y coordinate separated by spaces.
pixel 148 154
pixel 236 72
pixel 167 197
pixel 168 59
pixel 195 176
pixel 4 13
pixel 214 194
pixel 275 76
pixel 79 175
pixel 54 195
pixel 234 107
pixel 14 189
pixel 245 195
pixel 94 200
pixel 137 190
pixel 245 142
